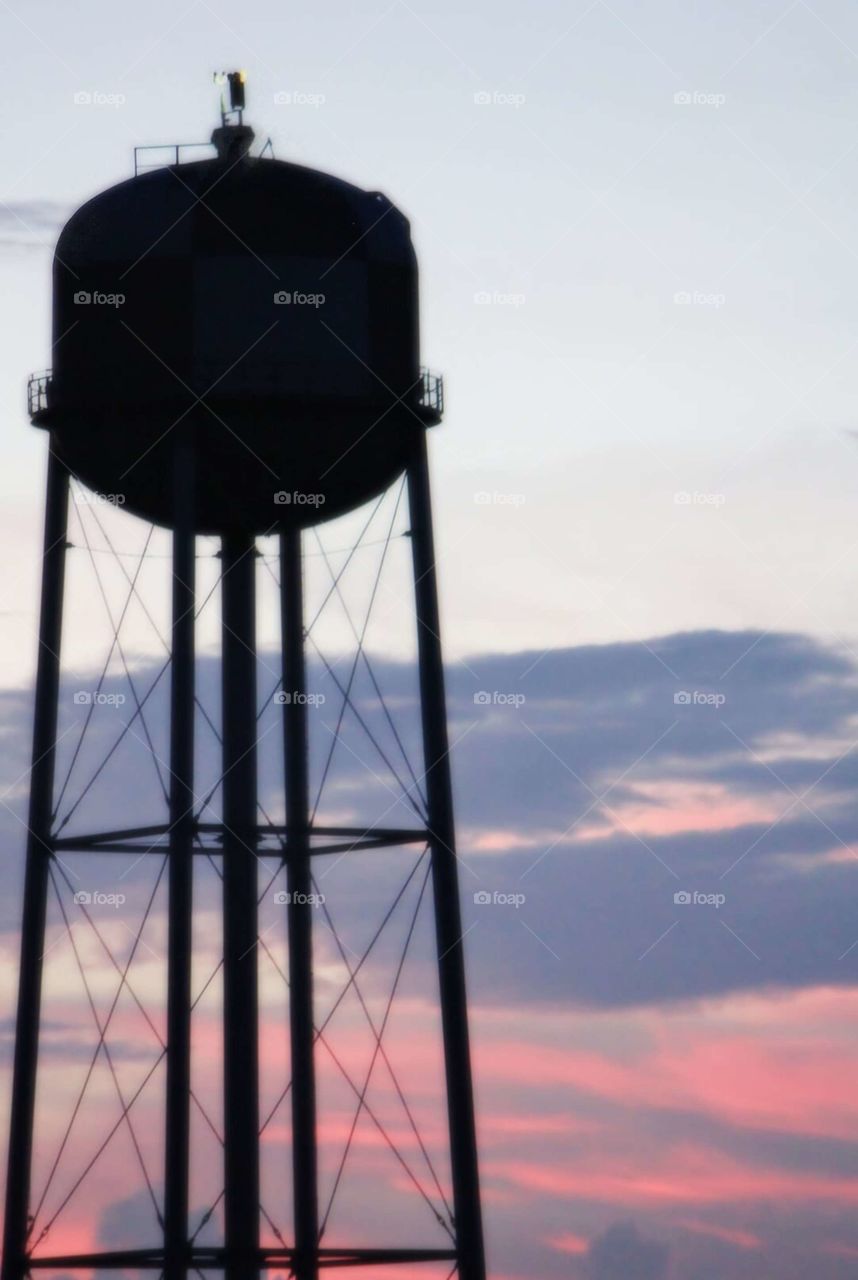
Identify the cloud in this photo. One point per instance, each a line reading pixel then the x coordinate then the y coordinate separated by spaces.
pixel 125 1223
pixel 597 798
pixel 622 1253
pixel 31 223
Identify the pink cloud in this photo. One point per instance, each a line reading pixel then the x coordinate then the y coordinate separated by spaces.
pixel 840 1250
pixel 568 1242
pixel 733 1235
pixel 681 1174
pixel 773 1073
pixel 668 808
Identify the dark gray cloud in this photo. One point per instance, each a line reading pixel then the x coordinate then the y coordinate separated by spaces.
pixel 599 731
pixel 622 1253
pixel 125 1223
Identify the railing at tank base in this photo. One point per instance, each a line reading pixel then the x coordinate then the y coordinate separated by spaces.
pixel 38 392
pixel 430 392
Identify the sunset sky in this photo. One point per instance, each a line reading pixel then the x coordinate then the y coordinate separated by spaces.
pixel 639 275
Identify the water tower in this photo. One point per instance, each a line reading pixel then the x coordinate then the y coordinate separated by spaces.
pixel 249 366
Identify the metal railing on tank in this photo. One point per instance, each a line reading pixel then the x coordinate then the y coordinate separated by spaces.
pixel 38 391
pixel 170 153
pixel 431 391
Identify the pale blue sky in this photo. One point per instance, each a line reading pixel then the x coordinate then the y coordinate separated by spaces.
pixel 582 199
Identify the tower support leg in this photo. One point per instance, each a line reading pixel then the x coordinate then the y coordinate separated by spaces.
pixel 445 880
pixel 39 853
pixel 180 938
pixel 300 912
pixel 240 881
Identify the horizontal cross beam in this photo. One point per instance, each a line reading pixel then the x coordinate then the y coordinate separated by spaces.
pixel 153 1259
pixel 211 835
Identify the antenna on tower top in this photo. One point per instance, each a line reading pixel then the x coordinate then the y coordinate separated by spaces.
pixel 233 139
pixel 235 81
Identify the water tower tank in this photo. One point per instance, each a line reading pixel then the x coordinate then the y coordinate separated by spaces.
pixel 267 309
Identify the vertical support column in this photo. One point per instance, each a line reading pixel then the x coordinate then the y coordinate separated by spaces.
pixel 180 937
pixel 300 911
pixel 240 881
pixel 36 877
pixel 445 880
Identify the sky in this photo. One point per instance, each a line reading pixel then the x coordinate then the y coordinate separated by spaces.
pixel 638 273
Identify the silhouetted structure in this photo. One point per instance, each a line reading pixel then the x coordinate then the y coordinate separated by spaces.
pixel 223 400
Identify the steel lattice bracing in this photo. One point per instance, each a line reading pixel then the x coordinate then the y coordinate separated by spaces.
pixel 238 1163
